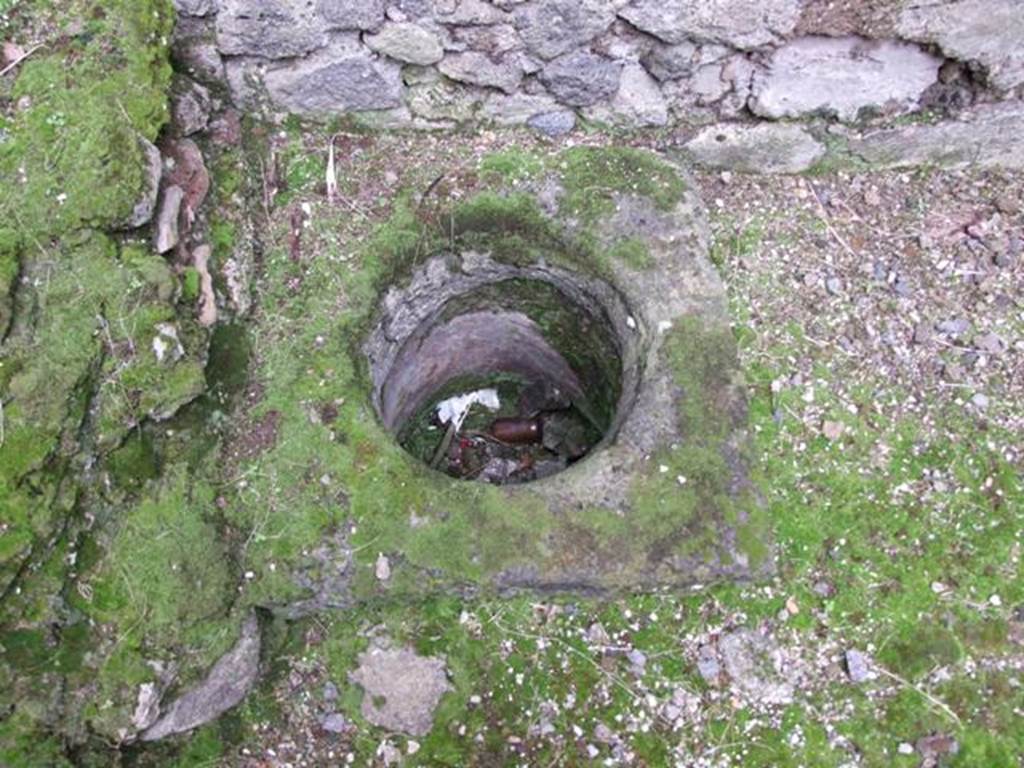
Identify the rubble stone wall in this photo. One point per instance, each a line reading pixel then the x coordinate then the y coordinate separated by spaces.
pixel 439 64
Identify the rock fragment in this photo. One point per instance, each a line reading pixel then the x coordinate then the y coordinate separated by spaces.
pixel 762 148
pixel 166 234
pixel 226 684
pixel 402 689
pixel 142 211
pixel 858 667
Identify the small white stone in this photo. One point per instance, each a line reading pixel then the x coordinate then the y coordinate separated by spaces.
pixel 995 601
pixel 382 568
pixel 631 323
pixel 413 747
pixel 938 587
pixel 663 469
pixel 905 749
pixel 681 479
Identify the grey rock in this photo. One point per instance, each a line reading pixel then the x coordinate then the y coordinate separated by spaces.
pixel 495 40
pixel 980 401
pixel 553 124
pixel 518 108
pixel 402 689
pixel 709 83
pixel 550 28
pixel 834 286
pixel 473 13
pixel 637 661
pixel 351 14
pixel 277 29
pixel 597 635
pixel 333 81
pixel 858 666
pixel 334 723
pixel 199 58
pixel 195 7
pixel 478 69
pixel 445 100
pixel 735 22
pixel 990 343
pixel 708 666
pixel 406 42
pixel 637 102
pixel 986 137
pixel 165 236
pixel 142 211
pixel 986 31
pixel 755 667
pixel 331 692
pixel 226 684
pixel 668 62
pixel 954 327
pixel 147 707
pixel 764 148
pixel 841 77
pixel 580 79
pixel 190 107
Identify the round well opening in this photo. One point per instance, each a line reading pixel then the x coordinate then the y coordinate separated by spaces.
pixel 502 374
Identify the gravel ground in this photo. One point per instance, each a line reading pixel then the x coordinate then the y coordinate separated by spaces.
pixel 865 305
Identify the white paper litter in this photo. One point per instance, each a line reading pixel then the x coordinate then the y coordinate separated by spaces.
pixel 454 409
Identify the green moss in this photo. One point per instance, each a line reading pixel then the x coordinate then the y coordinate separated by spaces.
pixel 75 152
pixel 190 284
pixel 593 175
pixel 512 165
pixel 633 252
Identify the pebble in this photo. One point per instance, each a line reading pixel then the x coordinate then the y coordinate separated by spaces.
pixel 707 665
pixel 857 666
pixel 980 401
pixel 334 723
pixel 382 568
pixel 834 286
pixel 330 691
pixel 989 342
pixel 905 749
pixel 953 327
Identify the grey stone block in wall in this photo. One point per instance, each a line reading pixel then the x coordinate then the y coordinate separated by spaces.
pixel 273 29
pixel 988 137
pixel 550 28
pixel 990 32
pixel 580 79
pixel 553 123
pixel 842 76
pixel 351 14
pixel 479 69
pixel 668 62
pixel 739 23
pixel 338 79
pixel 472 13
pixel 518 108
pixel 765 148
pixel 637 102
pixel 408 42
